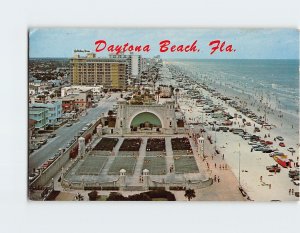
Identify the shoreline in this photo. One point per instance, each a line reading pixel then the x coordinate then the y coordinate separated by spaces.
pixel 253 164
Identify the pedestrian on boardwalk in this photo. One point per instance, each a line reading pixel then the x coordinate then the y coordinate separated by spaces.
pixel 290 192
pixel 218 179
pixel 215 178
pixel 223 167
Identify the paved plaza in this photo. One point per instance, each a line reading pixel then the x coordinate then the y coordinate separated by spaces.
pixel 134 154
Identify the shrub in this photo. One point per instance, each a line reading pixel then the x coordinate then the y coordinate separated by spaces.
pixel 114 196
pixel 161 194
pixel 93 195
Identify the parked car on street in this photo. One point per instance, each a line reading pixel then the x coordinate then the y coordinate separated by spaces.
pixel 69 124
pixel 52 135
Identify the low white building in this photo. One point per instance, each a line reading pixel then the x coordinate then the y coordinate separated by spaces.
pixel 96 90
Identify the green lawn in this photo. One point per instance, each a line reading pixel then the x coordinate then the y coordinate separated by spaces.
pixel 122 162
pixel 155 165
pixel 185 164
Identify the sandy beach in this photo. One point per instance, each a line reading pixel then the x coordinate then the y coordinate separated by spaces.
pixel 272 186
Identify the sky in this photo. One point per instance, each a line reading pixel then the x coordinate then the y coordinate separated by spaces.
pixel 247 43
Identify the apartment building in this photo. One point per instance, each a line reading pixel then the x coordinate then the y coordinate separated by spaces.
pixel 90 70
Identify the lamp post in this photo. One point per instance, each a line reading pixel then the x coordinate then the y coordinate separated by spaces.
pixel 239 164
pixel 215 139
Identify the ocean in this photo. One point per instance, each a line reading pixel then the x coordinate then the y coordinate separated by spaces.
pixel 274 82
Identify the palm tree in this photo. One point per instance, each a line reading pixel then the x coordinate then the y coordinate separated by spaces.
pixel 190 194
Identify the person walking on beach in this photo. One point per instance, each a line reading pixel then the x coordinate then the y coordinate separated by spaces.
pixel 223 157
pixel 215 165
pixel 290 192
pixel 215 178
pixel 261 178
pixel 218 179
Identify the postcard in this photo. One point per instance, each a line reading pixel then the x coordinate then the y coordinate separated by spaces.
pixel 163 114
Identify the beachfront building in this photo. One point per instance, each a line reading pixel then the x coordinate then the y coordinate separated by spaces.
pixel 90 70
pixel 54 110
pixel 40 116
pixel 134 63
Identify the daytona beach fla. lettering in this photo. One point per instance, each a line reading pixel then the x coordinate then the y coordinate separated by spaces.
pixel 164 46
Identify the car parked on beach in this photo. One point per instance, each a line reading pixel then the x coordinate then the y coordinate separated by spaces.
pixel 296 182
pixel 252 143
pixel 260 148
pixel 293 173
pixel 275 169
pixel 291 149
pixel 267 150
pixel 276 153
pixel 257 145
pixel 279 138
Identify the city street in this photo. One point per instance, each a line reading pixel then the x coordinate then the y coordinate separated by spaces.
pixel 66 134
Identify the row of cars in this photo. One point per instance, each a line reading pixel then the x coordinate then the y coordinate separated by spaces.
pixel 46 164
pixel 38 144
pixel 294 175
pixel 36 171
pixel 247 112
